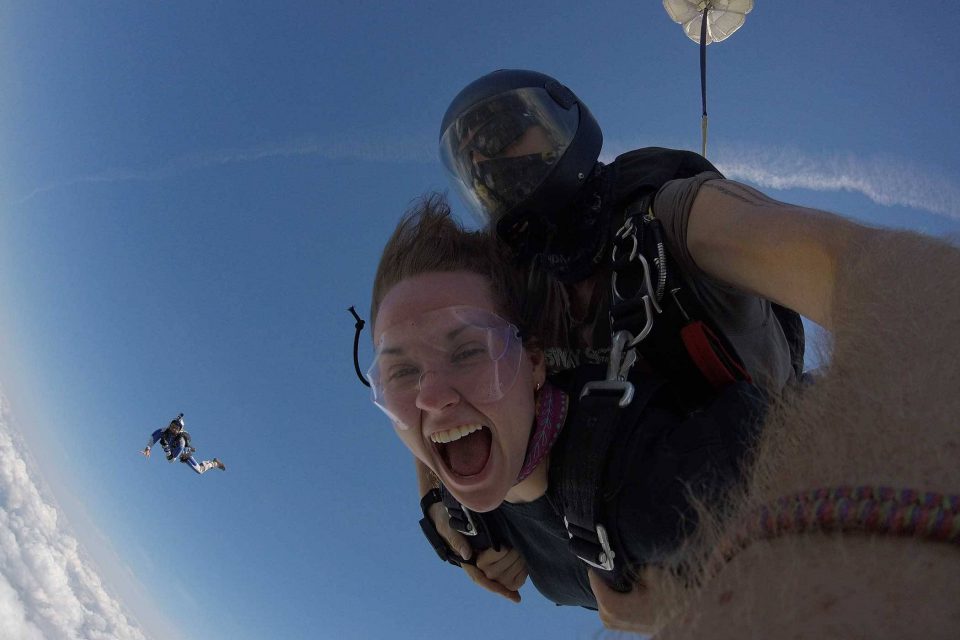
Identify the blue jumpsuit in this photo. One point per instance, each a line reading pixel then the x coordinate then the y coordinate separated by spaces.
pixel 178 449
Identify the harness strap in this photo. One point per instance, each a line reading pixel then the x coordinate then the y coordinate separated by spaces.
pixel 679 337
pixel 470 523
pixel 599 418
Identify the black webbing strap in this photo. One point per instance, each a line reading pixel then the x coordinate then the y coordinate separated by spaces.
pixel 593 427
pixel 682 342
pixel 470 523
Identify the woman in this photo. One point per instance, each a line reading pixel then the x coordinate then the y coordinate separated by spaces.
pixel 462 377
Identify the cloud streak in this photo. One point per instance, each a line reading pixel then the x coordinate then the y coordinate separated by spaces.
pixel 884 179
pixel 396 151
pixel 48 588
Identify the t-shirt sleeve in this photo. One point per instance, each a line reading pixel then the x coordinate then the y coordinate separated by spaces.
pixel 747 320
pixel 672 207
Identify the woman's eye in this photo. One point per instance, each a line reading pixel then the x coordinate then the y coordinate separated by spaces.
pixel 400 373
pixel 469 354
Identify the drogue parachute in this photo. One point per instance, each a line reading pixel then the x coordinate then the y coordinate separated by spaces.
pixel 704 22
pixel 724 17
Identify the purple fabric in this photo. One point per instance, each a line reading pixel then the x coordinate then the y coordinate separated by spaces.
pixel 552 405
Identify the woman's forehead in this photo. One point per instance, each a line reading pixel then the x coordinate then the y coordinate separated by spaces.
pixel 440 329
pixel 414 296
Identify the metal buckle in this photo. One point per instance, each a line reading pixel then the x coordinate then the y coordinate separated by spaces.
pixel 629 232
pixel 617 371
pixel 471 525
pixel 649 302
pixel 606 554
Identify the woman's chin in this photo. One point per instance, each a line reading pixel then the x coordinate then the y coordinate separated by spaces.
pixel 480 501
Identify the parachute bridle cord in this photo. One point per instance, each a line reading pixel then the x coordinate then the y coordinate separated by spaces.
pixel 703 79
pixel 356 344
pixel 728 17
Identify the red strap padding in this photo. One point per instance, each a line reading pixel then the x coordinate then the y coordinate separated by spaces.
pixel 707 352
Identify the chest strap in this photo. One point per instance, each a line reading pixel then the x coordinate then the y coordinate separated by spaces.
pixel 605 409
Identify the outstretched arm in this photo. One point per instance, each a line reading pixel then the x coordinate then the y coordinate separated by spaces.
pixel 776 250
pixel 154 437
pixel 882 414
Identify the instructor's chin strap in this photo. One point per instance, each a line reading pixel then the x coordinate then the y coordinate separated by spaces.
pixel 356 344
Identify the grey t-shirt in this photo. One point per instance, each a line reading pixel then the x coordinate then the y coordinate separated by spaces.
pixel 747 320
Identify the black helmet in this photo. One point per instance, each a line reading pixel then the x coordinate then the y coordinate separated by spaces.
pixel 176 422
pixel 519 146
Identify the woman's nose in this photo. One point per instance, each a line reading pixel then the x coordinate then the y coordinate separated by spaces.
pixel 435 393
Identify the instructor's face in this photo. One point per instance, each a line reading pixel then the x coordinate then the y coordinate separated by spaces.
pixel 533 140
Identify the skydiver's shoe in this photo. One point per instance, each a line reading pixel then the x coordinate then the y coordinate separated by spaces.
pixel 219 465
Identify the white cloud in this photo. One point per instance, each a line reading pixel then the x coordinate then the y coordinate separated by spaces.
pixel 48 588
pixel 383 150
pixel 885 179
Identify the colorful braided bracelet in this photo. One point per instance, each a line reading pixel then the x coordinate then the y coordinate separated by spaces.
pixel 865 509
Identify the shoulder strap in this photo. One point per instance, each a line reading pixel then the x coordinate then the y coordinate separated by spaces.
pixel 792 326
pixel 604 409
pixel 475 526
pixel 664 320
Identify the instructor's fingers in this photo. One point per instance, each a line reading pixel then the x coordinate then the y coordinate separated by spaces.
pixel 506 566
pixel 479 578
pixel 631 611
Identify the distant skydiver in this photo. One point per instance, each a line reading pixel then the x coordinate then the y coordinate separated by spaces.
pixel 176 445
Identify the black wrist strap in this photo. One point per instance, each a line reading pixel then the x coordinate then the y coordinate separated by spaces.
pixel 444 552
pixel 429 499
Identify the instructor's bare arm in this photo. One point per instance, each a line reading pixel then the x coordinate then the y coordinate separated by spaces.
pixel 780 251
pixel 883 413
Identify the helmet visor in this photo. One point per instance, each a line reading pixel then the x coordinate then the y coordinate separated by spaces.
pixel 500 150
pixel 473 351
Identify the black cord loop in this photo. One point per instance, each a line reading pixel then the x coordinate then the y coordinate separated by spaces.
pixel 356 345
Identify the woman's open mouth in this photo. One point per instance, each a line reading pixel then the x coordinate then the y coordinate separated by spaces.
pixel 464 450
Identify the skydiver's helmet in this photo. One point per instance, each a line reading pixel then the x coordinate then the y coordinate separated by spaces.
pixel 176 423
pixel 519 146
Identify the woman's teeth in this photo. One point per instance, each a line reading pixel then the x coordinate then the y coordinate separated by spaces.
pixel 443 437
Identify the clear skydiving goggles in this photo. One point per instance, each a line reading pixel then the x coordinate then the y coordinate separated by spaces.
pixel 477 149
pixel 473 351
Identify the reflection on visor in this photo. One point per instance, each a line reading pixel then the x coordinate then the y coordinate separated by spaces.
pixel 511 179
pixel 530 121
pixel 475 352
pixel 491 138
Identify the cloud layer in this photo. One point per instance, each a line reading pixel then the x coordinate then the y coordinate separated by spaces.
pixel 48 589
pixel 406 150
pixel 885 179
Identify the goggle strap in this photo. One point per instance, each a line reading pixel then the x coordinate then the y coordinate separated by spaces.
pixel 356 345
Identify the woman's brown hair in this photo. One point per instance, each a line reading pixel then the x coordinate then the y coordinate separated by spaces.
pixel 428 239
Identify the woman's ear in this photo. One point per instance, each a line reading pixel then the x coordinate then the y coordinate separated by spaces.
pixel 538 360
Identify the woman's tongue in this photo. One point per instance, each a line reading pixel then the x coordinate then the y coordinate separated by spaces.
pixel 468 455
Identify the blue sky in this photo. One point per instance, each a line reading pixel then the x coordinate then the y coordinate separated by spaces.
pixel 192 194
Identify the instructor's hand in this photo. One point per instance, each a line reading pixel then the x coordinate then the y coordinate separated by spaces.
pixel 502 572
pixel 146 452
pixel 634 611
